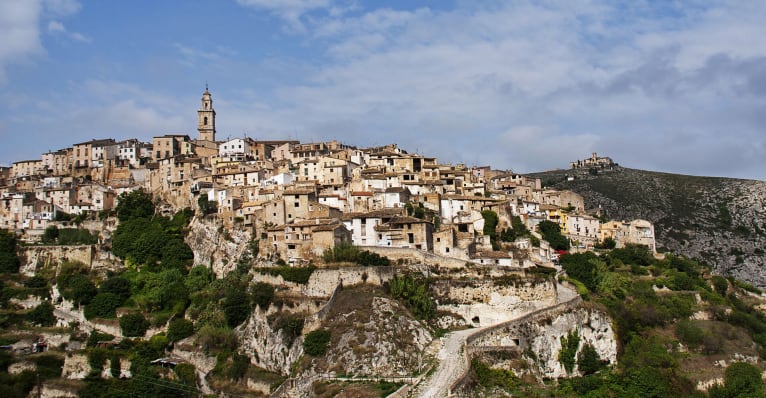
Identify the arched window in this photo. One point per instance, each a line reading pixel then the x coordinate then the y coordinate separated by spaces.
pixel 204 121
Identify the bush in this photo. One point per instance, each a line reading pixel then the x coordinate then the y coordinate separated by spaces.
pixel 298 275
pixel 134 204
pixel 569 345
pixel 236 306
pixel 721 285
pixel 134 324
pixel 180 328
pixel 9 263
pixel 103 305
pixel 262 294
pixel 315 343
pixel 415 295
pixel 689 333
pixel 588 361
pixel 42 315
pixel 116 285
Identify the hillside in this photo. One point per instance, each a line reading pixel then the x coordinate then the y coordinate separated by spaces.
pixel 719 220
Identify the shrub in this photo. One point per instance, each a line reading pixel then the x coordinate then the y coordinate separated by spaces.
pixel 180 328
pixel 262 294
pixel 103 305
pixel 569 345
pixel 9 263
pixel 415 295
pixel 315 343
pixel 236 306
pixel 134 324
pixel 588 361
pixel 552 233
pixel 720 284
pixel 42 315
pixel 689 333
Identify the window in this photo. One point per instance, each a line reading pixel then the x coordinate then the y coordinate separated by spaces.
pixel 204 120
pixel 446 250
pixel 297 204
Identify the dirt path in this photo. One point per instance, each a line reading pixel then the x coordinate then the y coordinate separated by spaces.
pixel 452 360
pixel 452 365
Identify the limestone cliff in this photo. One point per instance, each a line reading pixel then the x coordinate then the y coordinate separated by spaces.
pixel 216 246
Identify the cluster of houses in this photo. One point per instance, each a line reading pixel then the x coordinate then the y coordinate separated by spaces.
pixel 302 198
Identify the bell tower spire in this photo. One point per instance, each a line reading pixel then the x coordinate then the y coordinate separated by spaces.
pixel 206 117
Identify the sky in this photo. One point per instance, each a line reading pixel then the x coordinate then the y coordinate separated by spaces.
pixel 673 86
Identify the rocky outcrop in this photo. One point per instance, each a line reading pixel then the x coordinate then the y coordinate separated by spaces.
pixel 216 246
pixel 268 348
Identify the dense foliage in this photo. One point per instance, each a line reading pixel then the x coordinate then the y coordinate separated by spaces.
pixel 8 260
pixel 552 233
pixel 134 204
pixel 133 324
pixel 414 293
pixel 68 236
pixel 315 343
pixel 347 252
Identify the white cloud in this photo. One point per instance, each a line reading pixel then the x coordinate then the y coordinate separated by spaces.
pixel 19 30
pixel 57 28
pixel 290 10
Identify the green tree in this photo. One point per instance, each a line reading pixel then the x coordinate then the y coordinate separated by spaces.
pixel 117 285
pixel 77 288
pixel 42 315
pixel 261 294
pixel 9 262
pixel 552 233
pixel 588 360
pixel 50 235
pixel 207 206
pixel 103 305
pixel 316 342
pixel 490 222
pixel 134 204
pixel 236 306
pixel 134 324
pixel 180 328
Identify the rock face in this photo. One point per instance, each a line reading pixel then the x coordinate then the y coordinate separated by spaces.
pixel 538 338
pixel 216 246
pixel 593 327
pixel 383 343
pixel 483 302
pixel 268 348
pixel 720 220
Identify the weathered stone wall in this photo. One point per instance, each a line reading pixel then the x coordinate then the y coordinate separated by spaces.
pixel 323 281
pixel 483 303
pixel 35 258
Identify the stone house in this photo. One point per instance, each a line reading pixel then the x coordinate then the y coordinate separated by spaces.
pixel 58 163
pixel 582 228
pixel 362 225
pixel 639 232
pixel 405 231
pixel 170 145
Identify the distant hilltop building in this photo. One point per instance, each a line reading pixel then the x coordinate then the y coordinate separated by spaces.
pixel 593 161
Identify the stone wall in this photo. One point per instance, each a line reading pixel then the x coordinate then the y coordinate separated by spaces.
pixel 482 302
pixel 323 281
pixel 35 258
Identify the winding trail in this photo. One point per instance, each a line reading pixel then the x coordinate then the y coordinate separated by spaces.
pixel 453 362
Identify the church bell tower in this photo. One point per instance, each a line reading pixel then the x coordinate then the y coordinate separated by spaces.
pixel 206 118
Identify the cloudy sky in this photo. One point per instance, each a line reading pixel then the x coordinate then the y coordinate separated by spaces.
pixel 659 85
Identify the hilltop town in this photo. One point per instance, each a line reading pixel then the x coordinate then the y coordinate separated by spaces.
pixel 193 266
pixel 304 198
